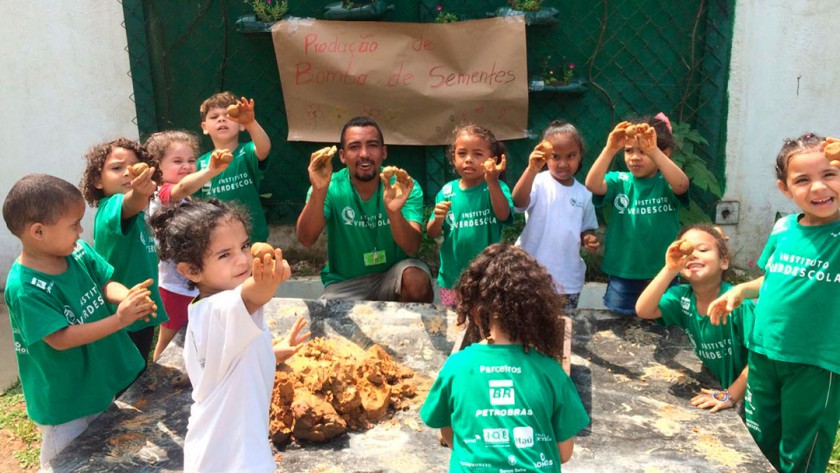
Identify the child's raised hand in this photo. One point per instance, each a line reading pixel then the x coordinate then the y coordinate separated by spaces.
pixel 831 147
pixel 441 209
pixel 492 170
pixel 219 160
pixel 241 112
pixel 677 254
pixel 646 137
pixel 287 346
pixel 618 137
pixel 271 270
pixel 721 307
pixel 590 242
pixel 397 193
pixel 542 152
pixel 142 183
pixel 713 400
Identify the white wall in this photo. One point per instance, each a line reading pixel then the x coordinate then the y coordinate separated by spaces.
pixel 65 87
pixel 784 81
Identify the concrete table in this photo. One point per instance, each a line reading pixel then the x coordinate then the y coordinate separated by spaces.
pixel 634 377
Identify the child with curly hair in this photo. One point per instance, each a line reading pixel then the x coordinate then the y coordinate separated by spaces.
pixel 511 380
pixel 120 233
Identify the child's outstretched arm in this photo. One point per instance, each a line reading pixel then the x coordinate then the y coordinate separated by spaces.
pixel 647 306
pixel 136 305
pixel 501 207
pixel 137 198
pixel 268 274
pixel 311 220
pixel 220 159
pixel 522 190
pixel 246 118
pixel 720 400
pixel 435 226
pixel 729 301
pixel 566 447
pixel 595 181
pixel 670 171
pixel 287 346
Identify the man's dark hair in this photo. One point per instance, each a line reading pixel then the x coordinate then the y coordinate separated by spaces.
pixel 360 122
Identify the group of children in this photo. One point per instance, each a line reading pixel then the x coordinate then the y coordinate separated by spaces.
pixel 191 256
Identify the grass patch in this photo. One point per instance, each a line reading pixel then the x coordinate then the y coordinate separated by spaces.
pixel 13 419
pixel 834 462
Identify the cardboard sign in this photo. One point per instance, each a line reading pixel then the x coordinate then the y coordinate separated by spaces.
pixel 417 80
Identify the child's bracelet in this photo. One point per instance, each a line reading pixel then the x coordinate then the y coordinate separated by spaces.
pixel 723 396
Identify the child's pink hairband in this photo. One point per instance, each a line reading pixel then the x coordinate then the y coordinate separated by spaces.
pixel 661 117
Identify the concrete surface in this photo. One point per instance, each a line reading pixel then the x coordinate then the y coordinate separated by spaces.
pixel 634 377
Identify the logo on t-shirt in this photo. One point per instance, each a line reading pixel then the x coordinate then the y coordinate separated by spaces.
pixel 544 462
pixel 496 436
pixel 348 215
pixel 576 203
pixel 41 284
pixel 501 392
pixel 71 316
pixel 621 202
pixel 523 437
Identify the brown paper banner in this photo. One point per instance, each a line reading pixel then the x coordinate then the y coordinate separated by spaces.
pixel 417 80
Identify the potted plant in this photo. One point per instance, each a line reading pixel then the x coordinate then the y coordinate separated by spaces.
pixel 444 16
pixel 266 12
pixel 554 78
pixel 355 10
pixel 532 10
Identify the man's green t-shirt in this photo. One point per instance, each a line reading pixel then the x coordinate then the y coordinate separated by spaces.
pixel 63 385
pixel 797 317
pixel 722 347
pixel 469 227
pixel 130 248
pixel 240 182
pixel 644 220
pixel 359 239
pixel 507 408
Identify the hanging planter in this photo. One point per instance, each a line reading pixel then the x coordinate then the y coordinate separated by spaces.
pixel 574 87
pixel 541 16
pixel 349 10
pixel 249 24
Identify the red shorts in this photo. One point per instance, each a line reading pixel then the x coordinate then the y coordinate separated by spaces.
pixel 176 308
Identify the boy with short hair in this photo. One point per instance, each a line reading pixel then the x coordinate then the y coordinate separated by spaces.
pixel 240 182
pixel 73 354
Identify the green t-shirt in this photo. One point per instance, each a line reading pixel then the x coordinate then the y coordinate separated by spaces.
pixel 508 409
pixel 470 226
pixel 359 239
pixel 797 317
pixel 721 348
pixel 643 221
pixel 63 385
pixel 240 182
pixel 130 248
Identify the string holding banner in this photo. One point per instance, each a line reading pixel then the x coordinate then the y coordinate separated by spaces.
pixel 417 80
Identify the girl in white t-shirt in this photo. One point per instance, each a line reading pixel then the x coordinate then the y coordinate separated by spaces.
pixel 174 153
pixel 559 215
pixel 228 349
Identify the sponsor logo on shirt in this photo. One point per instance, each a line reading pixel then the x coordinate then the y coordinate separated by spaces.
pixel 685 302
pixel 496 436
pixel 501 392
pixel 577 203
pixel 544 462
pixel 544 438
pixel 46 286
pixel 523 437
pixel 500 369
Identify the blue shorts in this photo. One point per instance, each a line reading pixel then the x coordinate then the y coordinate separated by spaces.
pixel 621 294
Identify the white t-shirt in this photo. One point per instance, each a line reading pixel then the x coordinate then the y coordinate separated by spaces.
pixel 230 362
pixel 554 219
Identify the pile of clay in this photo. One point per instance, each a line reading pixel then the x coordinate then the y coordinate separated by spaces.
pixel 330 387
